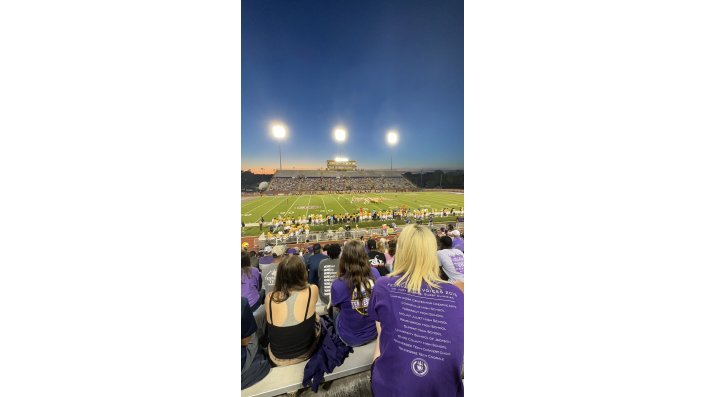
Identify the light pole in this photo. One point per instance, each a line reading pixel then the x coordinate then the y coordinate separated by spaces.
pixel 392 139
pixel 340 134
pixel 279 133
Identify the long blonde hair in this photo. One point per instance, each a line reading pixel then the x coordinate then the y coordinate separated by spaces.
pixel 416 259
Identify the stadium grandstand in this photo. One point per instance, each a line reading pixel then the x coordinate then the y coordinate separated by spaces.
pixel 309 181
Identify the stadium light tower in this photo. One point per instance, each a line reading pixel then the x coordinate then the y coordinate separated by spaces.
pixel 392 139
pixel 279 133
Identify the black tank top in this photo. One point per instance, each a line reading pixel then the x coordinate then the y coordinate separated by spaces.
pixel 294 340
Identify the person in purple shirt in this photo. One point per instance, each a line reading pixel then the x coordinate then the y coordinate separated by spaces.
pixel 267 258
pixel 250 281
pixel 419 319
pixel 350 294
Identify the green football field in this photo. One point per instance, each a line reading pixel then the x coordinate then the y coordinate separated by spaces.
pixel 298 205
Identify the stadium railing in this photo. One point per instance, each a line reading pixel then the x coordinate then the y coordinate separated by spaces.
pixel 334 235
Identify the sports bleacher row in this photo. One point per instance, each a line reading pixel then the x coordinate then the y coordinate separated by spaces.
pixel 281 380
pixel 338 181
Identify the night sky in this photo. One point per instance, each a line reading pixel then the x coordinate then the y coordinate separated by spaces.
pixel 367 65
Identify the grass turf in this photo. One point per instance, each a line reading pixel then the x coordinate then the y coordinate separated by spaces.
pixel 298 205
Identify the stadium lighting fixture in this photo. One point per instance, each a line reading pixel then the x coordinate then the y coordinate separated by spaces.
pixel 279 133
pixel 339 134
pixel 339 159
pixel 392 139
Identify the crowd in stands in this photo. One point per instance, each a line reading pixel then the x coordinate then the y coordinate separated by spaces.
pixel 330 182
pixel 370 288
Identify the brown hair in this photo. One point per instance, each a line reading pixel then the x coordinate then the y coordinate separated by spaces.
pixel 354 268
pixel 291 275
pixel 245 264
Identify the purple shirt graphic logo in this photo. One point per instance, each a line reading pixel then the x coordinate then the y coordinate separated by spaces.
pixel 419 367
pixel 458 263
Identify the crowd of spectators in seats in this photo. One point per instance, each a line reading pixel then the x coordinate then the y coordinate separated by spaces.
pixel 340 184
pixel 365 287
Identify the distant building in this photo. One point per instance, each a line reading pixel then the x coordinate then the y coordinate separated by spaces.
pixel 341 164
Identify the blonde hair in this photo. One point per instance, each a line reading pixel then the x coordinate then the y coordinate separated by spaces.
pixel 416 259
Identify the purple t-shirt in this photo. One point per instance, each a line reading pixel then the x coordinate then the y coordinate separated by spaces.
pixel 421 344
pixel 458 243
pixel 249 286
pixel 355 326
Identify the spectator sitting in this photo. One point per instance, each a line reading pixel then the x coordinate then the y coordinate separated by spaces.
pixel 250 280
pixel 458 241
pixel 291 314
pixel 309 253
pixel 328 271
pixel 389 255
pixel 312 264
pixel 451 260
pixel 376 259
pixel 253 364
pixel 350 293
pixel 396 370
pixel 269 273
pixel 254 261
pixel 267 258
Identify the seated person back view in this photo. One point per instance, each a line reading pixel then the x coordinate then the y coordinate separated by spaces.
pixel 376 259
pixel 253 364
pixel 250 281
pixel 351 293
pixel 410 306
pixel 451 260
pixel 328 272
pixel 291 314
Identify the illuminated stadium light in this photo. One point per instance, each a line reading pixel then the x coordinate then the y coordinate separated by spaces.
pixel 339 134
pixel 339 159
pixel 279 131
pixel 392 137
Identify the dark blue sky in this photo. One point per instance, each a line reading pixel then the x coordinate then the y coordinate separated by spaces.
pixel 367 65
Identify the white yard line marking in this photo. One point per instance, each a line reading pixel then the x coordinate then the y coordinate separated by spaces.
pixel 292 204
pixel 324 205
pixel 254 208
pixel 307 205
pixel 341 206
pixel 273 207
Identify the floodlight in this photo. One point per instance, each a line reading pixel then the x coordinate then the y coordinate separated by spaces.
pixel 339 134
pixel 392 137
pixel 279 131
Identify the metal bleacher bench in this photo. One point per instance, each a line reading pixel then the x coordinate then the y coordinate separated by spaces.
pixel 281 380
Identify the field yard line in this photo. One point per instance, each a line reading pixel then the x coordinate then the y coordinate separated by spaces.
pixel 307 205
pixel 324 205
pixel 434 201
pixel 444 205
pixel 341 206
pixel 292 204
pixel 254 208
pixel 254 201
pixel 273 207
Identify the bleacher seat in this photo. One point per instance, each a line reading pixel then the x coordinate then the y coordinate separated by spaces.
pixel 281 380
